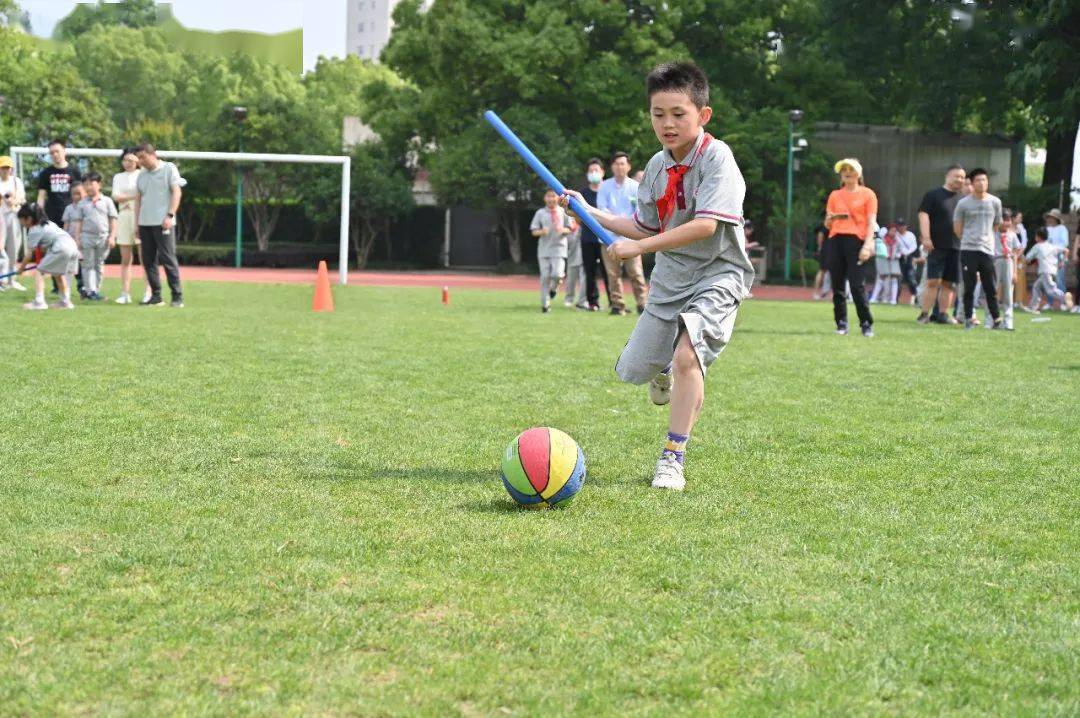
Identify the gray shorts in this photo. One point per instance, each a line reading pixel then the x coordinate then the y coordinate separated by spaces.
pixel 708 319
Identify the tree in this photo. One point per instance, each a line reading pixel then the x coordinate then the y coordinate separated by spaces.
pixel 382 192
pixel 87 16
pixel 45 96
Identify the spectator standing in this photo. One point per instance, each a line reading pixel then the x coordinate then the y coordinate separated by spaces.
pixel 941 246
pixel 550 225
pixel 618 195
pixel 909 252
pixel 575 272
pixel 887 266
pixel 851 218
pixel 821 281
pixel 1006 251
pixel 1058 235
pixel 95 228
pixel 1018 225
pixel 12 197
pixel 591 249
pixel 1076 259
pixel 54 184
pixel 158 199
pixel 977 220
pixel 124 193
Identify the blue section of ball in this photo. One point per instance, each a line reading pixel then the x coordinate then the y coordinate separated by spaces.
pixel 523 499
pixel 573 484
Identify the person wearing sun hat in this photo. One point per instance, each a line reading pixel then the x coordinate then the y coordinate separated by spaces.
pixel 851 219
pixel 1059 237
pixel 12 196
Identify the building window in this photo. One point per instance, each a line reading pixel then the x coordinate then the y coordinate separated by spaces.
pixel 360 27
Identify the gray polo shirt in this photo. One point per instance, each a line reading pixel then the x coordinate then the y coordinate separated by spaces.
pixel 95 216
pixel 979 217
pixel 155 193
pixel 713 188
pixel 550 243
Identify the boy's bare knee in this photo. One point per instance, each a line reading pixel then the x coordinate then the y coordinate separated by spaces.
pixel 685 360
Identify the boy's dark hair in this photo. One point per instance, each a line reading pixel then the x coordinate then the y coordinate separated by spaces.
pixel 146 147
pixel 615 157
pixel 679 77
pixel 58 141
pixel 978 171
pixel 92 177
pixel 594 161
pixel 1041 233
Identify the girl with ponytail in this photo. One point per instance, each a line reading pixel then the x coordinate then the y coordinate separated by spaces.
pixel 55 252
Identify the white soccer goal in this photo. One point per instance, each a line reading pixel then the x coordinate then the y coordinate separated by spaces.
pixel 345 161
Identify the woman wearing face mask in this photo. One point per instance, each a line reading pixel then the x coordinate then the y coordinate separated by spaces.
pixel 851 218
pixel 124 193
pixel 591 248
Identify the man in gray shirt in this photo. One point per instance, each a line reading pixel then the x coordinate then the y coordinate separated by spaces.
pixel 156 204
pixel 977 221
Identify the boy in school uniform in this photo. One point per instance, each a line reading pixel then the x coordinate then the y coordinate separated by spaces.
pixel 1049 257
pixel 551 225
pixel 94 225
pixel 689 212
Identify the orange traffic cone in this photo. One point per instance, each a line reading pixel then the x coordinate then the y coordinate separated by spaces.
pixel 324 300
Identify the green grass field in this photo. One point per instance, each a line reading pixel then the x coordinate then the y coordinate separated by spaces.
pixel 244 508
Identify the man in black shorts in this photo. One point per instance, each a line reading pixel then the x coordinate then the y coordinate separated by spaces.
pixel 938 239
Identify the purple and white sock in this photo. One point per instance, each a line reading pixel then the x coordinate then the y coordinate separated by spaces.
pixel 676 445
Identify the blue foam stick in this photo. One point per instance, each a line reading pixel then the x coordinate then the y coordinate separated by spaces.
pixel 17 272
pixel 545 174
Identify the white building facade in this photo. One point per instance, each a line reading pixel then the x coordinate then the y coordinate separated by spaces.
pixel 368 26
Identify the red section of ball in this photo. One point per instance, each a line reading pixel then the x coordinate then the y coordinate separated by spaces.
pixel 534 448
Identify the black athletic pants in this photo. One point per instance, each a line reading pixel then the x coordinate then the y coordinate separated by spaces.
pixel 982 264
pixel 907 272
pixel 844 267
pixel 160 248
pixel 592 263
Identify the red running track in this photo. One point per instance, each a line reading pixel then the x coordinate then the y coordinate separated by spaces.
pixel 454 280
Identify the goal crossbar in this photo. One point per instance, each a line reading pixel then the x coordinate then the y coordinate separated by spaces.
pixel 345 161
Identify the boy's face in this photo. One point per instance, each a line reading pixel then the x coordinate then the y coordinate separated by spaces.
pixel 676 120
pixel 980 183
pixel 94 188
pixel 78 193
pixel 550 199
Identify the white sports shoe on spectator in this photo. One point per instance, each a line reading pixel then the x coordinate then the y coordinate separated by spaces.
pixel 660 389
pixel 123 299
pixel 36 305
pixel 669 474
pixel 16 286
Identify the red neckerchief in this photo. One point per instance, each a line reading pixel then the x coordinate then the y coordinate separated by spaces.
pixel 675 193
pixel 554 211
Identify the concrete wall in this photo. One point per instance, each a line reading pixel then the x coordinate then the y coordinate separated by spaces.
pixel 901 165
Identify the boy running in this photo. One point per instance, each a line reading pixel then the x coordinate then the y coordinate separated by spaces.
pixel 689 212
pixel 1048 256
pixel 550 225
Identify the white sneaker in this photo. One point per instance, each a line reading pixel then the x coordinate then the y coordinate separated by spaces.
pixel 660 389
pixel 669 474
pixel 36 305
pixel 123 299
pixel 61 304
pixel 16 286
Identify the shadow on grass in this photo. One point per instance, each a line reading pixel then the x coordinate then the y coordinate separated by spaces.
pixel 367 472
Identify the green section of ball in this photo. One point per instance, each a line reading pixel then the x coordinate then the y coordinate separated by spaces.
pixel 514 472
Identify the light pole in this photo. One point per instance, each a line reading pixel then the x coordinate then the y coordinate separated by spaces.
pixel 240 115
pixel 794 118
